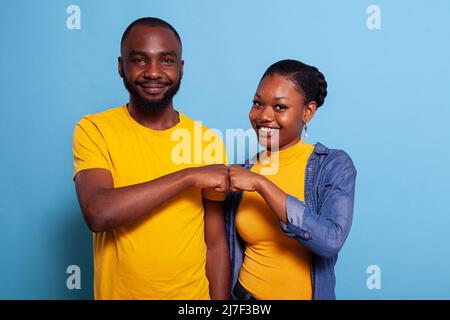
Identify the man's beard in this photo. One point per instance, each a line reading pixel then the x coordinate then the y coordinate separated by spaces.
pixel 153 105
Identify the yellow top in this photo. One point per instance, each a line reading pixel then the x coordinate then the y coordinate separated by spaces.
pixel 163 254
pixel 275 266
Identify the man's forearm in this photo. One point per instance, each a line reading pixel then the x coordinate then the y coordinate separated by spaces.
pixel 111 208
pixel 218 272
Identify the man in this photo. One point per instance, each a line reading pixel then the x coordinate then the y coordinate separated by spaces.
pixel 158 222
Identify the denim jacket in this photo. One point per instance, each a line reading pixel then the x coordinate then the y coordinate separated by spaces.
pixel 321 223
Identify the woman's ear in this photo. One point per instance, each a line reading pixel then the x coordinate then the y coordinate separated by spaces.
pixel 309 111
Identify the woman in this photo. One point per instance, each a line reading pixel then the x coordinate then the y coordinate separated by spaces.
pixel 286 225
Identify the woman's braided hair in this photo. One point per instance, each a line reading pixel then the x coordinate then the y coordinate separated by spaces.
pixel 308 79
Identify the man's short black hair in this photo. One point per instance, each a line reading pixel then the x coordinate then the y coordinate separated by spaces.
pixel 150 22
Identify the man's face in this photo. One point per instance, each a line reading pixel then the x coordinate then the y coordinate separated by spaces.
pixel 151 66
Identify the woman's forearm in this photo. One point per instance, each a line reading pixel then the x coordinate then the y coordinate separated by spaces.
pixel 273 195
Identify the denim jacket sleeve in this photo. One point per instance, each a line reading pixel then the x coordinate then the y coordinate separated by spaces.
pixel 325 232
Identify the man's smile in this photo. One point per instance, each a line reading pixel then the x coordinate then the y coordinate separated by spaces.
pixel 152 88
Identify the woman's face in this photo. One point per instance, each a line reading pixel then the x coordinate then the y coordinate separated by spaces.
pixel 277 112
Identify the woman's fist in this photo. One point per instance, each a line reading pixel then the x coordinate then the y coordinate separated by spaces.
pixel 241 179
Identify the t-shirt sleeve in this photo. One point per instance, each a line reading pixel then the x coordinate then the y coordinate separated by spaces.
pixel 214 158
pixel 89 147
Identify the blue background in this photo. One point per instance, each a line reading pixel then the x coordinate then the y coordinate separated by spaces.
pixel 388 107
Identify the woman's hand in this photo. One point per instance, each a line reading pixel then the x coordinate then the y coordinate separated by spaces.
pixel 241 179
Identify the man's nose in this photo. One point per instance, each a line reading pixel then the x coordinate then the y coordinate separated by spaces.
pixel 153 70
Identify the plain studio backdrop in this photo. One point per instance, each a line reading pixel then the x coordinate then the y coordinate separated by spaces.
pixel 388 71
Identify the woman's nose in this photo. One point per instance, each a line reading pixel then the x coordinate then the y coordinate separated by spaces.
pixel 266 114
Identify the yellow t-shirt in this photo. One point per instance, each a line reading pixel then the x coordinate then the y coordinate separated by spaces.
pixel 275 266
pixel 163 254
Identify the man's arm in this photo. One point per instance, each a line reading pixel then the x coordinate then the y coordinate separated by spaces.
pixel 105 207
pixel 217 257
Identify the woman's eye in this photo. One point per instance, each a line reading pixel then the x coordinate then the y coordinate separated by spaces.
pixel 280 107
pixel 257 104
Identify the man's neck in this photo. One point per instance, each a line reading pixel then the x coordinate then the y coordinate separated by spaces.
pixel 161 119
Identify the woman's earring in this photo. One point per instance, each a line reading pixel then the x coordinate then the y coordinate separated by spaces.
pixel 306 129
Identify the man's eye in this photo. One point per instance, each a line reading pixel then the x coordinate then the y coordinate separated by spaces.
pixel 280 107
pixel 138 60
pixel 168 61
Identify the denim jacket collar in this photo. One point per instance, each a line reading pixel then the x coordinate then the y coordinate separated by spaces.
pixel 320 149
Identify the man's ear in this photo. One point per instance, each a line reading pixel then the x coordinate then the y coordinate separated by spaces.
pixel 309 111
pixel 181 69
pixel 120 66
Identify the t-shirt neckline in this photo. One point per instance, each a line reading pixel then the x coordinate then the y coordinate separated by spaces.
pixel 154 131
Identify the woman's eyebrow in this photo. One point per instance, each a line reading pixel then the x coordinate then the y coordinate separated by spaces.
pixel 276 98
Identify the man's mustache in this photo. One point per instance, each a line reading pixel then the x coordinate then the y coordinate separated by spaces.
pixel 153 82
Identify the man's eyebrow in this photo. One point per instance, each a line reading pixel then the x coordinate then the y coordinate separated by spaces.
pixel 137 52
pixel 143 53
pixel 168 53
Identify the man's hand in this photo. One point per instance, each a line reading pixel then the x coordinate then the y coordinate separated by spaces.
pixel 214 176
pixel 241 179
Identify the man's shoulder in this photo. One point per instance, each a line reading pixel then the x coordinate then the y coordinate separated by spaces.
pixel 111 113
pixel 191 123
pixel 108 116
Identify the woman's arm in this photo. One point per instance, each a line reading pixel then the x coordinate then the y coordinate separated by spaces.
pixel 242 179
pixel 323 233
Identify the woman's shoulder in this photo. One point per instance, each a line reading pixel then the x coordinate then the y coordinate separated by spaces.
pixel 329 158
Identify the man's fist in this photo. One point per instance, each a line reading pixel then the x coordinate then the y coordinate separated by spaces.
pixel 213 176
